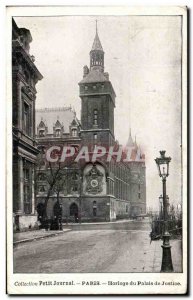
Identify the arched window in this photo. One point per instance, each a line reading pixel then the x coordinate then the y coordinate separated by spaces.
pixel 75 176
pixel 95 117
pixel 41 176
pixel 94 208
pixel 74 210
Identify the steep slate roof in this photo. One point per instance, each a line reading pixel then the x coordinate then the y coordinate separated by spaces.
pixel 130 142
pixel 50 116
pixel 94 75
pixel 97 44
pixel 41 124
pixel 75 122
pixel 58 124
pixel 134 151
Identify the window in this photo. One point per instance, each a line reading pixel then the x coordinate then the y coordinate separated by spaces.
pixel 94 211
pixel 74 132
pixel 27 188
pixel 75 176
pixel 95 136
pixel 26 119
pixel 94 208
pixel 95 117
pixel 57 132
pixel 74 188
pixel 42 189
pixel 41 133
pixel 41 176
pixel 139 190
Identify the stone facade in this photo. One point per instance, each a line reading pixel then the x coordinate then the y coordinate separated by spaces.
pixel 25 75
pixel 92 191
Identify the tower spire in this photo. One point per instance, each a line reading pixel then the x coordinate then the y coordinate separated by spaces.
pixel 130 142
pixel 96 27
pixel 97 53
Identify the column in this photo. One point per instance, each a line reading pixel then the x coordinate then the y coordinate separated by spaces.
pixel 33 191
pixel 18 197
pixel 20 105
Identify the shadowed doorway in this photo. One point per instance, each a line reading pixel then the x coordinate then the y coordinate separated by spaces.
pixel 74 211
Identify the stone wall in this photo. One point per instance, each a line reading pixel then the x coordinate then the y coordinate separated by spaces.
pixel 24 222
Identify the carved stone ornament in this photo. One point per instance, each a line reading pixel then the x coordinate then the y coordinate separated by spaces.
pixel 94 181
pixel 27 91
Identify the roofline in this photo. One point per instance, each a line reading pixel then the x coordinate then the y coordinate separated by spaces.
pixel 18 48
pixel 50 109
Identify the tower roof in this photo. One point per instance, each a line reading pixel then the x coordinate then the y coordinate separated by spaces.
pixel 97 44
pixel 130 142
pixel 94 76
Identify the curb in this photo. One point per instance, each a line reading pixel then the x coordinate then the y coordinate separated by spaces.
pixel 103 223
pixel 40 237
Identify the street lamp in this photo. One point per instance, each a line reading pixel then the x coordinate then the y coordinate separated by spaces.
pixel 163 169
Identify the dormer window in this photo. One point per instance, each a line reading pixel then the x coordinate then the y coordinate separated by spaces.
pixel 42 129
pixel 74 132
pixel 86 87
pixel 58 129
pixel 95 117
pixel 41 133
pixel 57 132
pixel 94 87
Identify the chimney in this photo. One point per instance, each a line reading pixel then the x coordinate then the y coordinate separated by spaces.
pixel 106 75
pixel 85 71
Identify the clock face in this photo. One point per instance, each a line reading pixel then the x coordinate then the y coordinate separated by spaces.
pixel 94 183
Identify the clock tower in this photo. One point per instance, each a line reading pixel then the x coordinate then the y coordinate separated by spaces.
pixel 97 100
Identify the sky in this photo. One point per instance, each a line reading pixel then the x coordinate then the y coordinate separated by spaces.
pixel 143 59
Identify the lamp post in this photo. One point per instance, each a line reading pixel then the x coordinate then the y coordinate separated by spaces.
pixel 161 206
pixel 163 169
pixel 168 206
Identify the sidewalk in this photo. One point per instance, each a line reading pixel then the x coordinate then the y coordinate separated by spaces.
pixel 175 251
pixel 28 236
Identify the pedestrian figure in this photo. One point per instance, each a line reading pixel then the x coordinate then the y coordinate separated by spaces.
pixel 41 213
pixel 57 222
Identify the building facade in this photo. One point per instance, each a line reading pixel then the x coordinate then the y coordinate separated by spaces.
pixel 99 190
pixel 25 75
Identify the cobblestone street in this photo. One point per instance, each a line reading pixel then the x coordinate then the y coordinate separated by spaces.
pixel 115 247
